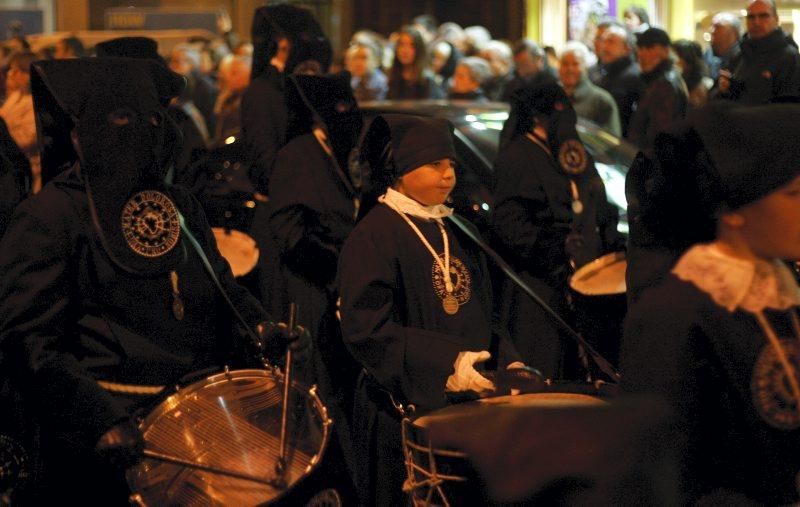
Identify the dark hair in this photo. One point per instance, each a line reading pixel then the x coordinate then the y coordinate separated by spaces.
pixel 420 55
pixel 640 13
pixel 691 53
pixel 75 45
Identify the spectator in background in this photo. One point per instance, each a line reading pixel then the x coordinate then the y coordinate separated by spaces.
pixel 693 71
pixel 367 79
pixel 444 57
pixel 410 77
pixel 471 73
pixel 427 26
pixel 551 58
pixel 769 64
pixel 501 61
pixel 17 112
pixel 185 60
pixel 476 37
pixel 636 19
pixel 234 76
pixel 454 34
pixel 529 61
pixel 665 99
pixel 590 101
pixel 596 71
pixel 69 47
pixel 620 72
pixel 726 29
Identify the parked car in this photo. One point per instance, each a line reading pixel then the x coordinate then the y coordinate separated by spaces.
pixel 477 136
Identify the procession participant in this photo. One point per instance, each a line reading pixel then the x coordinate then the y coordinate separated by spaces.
pixel 717 337
pixel 103 299
pixel 416 308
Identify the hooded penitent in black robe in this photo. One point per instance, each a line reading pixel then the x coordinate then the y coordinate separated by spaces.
pixel 91 266
pixel 551 215
pixel 393 322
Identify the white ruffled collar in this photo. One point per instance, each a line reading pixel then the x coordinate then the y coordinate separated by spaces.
pixel 409 206
pixel 734 283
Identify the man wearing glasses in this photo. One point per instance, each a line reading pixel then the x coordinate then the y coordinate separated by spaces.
pixel 768 66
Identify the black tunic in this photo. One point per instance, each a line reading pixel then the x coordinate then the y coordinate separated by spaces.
pixel 703 360
pixel 531 221
pixel 264 118
pixel 393 322
pixel 69 317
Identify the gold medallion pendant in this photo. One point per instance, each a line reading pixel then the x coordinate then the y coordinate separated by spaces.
pixel 150 223
pixel 450 304
pixel 460 280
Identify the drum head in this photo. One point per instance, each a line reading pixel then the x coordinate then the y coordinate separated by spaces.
pixel 238 249
pixel 229 421
pixel 603 276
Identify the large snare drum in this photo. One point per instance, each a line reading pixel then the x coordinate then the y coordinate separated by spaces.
pixel 445 476
pixel 229 422
pixel 604 276
pixel 239 249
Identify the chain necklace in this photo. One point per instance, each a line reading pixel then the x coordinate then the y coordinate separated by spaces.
pixel 449 301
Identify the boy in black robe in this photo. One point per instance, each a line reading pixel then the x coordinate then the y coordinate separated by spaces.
pixel 717 337
pixel 418 333
pixel 103 300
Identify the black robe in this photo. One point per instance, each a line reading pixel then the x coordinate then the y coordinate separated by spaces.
pixel 702 359
pixel 69 317
pixel 312 211
pixel 264 119
pixel 531 221
pixel 393 322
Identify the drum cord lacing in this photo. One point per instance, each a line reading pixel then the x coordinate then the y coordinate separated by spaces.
pixel 433 479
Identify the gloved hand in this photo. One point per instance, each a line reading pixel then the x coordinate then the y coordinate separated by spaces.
pixel 275 337
pixel 122 446
pixel 466 377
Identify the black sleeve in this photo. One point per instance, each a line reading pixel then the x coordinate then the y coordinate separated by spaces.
pixel 38 292
pixel 264 117
pixel 410 362
pixel 521 220
pixel 786 82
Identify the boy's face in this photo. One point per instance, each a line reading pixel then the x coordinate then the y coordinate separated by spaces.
pixel 429 184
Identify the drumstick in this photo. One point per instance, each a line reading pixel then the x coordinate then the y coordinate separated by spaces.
pixel 166 458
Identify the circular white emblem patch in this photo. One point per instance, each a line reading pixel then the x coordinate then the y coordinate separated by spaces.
pixel 572 156
pixel 769 385
pixel 461 279
pixel 150 223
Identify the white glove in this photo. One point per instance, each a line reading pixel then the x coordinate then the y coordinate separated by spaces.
pixel 466 377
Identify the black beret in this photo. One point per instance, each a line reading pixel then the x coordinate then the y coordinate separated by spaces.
pixel 417 141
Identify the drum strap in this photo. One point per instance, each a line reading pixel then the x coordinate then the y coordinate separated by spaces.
pixel 602 362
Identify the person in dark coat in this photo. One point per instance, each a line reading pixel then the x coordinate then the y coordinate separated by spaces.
pixel 665 99
pixel 717 337
pixel 286 36
pixel 551 216
pixel 312 211
pixel 420 336
pixel 620 72
pixel 768 66
pixel 103 300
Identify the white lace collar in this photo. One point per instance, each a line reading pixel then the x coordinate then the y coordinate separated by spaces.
pixel 738 283
pixel 409 206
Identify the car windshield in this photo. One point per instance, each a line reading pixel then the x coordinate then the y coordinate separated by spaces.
pixel 611 155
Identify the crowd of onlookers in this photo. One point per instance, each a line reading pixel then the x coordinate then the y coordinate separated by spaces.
pixel 633 81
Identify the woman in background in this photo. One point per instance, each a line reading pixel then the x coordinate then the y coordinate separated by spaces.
pixel 410 76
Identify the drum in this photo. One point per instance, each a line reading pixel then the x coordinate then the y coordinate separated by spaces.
pixel 445 476
pixel 239 249
pixel 603 276
pixel 598 295
pixel 216 442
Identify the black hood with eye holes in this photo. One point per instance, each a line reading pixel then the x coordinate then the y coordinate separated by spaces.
pixel 114 108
